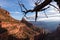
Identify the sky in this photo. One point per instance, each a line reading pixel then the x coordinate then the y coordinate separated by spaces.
pixel 15 10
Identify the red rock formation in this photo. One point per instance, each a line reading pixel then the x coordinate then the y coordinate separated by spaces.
pixel 19 30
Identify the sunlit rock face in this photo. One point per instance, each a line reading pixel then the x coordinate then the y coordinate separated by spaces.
pixel 12 29
pixel 3 13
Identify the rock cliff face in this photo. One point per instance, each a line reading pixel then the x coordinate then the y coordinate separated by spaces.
pixel 54 35
pixel 12 29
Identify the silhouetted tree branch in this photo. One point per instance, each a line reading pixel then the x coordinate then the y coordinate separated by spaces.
pixel 40 7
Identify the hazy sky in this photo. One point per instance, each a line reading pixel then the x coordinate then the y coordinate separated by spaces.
pixel 14 9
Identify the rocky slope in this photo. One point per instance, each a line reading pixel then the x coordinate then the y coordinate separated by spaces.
pixel 55 35
pixel 12 29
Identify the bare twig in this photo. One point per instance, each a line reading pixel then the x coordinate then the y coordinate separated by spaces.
pixel 45 14
pixel 54 6
pixel 36 15
pixel 19 4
